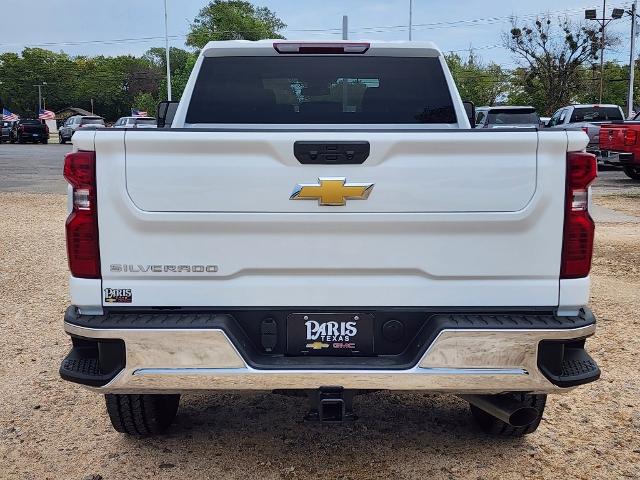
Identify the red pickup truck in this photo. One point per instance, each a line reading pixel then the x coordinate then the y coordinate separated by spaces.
pixel 620 146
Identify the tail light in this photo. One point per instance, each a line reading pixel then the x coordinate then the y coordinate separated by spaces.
pixel 630 137
pixel 320 47
pixel 82 225
pixel 577 241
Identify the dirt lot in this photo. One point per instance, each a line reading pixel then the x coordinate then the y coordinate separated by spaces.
pixel 51 429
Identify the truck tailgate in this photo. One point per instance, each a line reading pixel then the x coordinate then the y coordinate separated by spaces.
pixel 455 218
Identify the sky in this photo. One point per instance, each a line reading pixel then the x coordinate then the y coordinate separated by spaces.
pixel 113 27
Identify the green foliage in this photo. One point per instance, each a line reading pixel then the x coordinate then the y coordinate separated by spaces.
pixel 615 84
pixel 479 83
pixel 145 101
pixel 111 82
pixel 233 20
pixel 178 58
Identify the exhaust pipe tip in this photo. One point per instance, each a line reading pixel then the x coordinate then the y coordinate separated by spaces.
pixel 523 416
pixel 504 408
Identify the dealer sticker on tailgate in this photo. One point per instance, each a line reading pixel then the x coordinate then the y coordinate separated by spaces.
pixel 330 334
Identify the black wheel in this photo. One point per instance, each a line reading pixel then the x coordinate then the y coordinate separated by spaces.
pixel 632 172
pixel 141 415
pixel 44 141
pixel 62 139
pixel 493 426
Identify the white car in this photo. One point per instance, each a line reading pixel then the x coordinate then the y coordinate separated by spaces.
pixel 321 217
pixel 136 122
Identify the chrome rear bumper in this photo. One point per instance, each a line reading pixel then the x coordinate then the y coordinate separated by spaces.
pixel 457 361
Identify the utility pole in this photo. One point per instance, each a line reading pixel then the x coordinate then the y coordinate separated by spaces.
pixel 616 14
pixel 39 87
pixel 604 15
pixel 632 57
pixel 166 43
pixel 410 19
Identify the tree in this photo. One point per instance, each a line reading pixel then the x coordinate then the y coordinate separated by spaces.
pixel 615 87
pixel 233 20
pixel 145 102
pixel 181 77
pixel 178 58
pixel 479 83
pixel 111 82
pixel 553 56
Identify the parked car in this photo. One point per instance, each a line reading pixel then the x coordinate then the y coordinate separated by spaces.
pixel 5 130
pixel 507 117
pixel 329 259
pixel 620 146
pixel 136 122
pixel 77 122
pixel 29 130
pixel 588 118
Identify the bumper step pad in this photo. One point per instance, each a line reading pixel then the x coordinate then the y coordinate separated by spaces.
pixel 576 368
pixel 93 363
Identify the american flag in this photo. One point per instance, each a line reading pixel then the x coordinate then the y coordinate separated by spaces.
pixel 138 113
pixel 46 115
pixel 8 116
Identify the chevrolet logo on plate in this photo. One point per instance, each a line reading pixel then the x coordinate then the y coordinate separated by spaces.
pixel 334 191
pixel 317 345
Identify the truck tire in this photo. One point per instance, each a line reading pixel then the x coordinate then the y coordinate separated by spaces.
pixel 494 426
pixel 632 172
pixel 141 415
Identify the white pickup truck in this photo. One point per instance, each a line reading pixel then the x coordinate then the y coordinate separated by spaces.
pixel 322 218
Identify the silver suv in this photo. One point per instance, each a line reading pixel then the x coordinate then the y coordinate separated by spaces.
pixel 76 122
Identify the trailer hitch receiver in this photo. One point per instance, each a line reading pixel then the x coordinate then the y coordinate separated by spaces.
pixel 330 405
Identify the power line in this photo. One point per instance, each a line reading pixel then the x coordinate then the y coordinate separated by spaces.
pixel 374 29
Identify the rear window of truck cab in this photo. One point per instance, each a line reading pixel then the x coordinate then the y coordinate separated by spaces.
pixel 513 116
pixel 321 90
pixel 91 121
pixel 596 114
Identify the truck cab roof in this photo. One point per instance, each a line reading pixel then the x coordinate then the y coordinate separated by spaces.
pixel 270 48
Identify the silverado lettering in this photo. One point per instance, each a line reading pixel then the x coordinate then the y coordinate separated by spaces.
pixel 124 268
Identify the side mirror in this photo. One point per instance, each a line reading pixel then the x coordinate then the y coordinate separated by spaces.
pixel 470 108
pixel 165 113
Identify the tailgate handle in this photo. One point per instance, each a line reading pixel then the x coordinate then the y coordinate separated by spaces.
pixel 331 153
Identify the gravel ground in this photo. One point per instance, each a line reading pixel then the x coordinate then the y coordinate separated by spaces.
pixel 50 429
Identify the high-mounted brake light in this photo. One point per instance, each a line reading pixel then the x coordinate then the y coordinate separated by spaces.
pixel 320 47
pixel 630 137
pixel 82 225
pixel 579 228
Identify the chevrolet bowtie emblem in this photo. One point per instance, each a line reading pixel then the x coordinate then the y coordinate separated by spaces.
pixel 332 191
pixel 317 345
